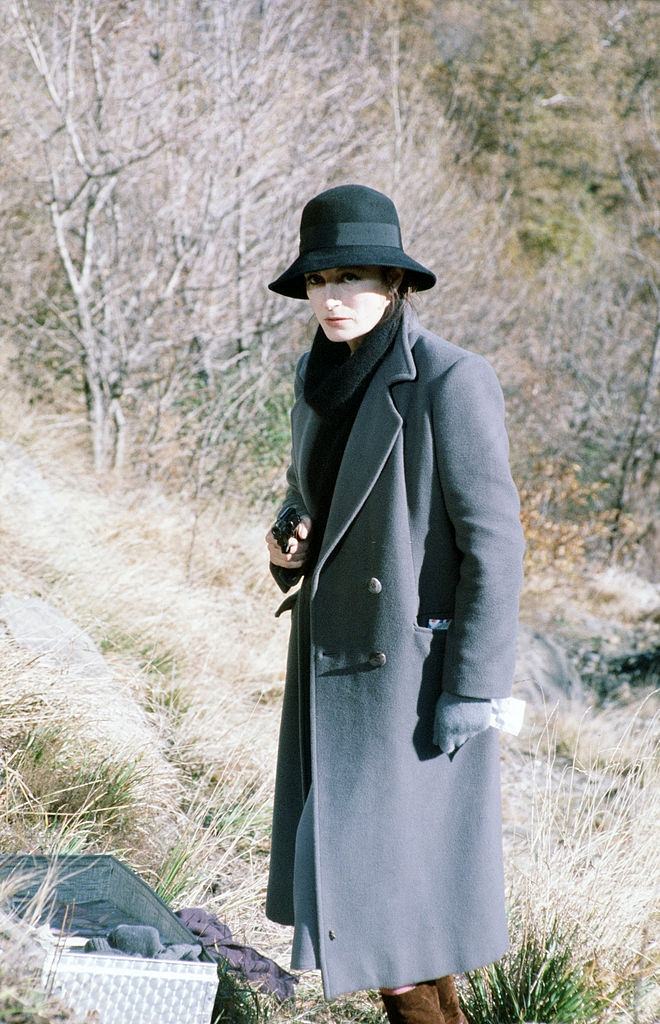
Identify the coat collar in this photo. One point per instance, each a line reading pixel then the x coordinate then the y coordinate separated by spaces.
pixel 374 432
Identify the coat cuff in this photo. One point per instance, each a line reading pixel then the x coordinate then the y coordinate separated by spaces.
pixel 285 578
pixel 478 687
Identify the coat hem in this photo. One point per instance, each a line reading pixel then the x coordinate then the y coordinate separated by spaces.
pixel 371 984
pixel 280 918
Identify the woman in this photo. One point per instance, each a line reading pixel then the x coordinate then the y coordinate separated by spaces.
pixel 386 850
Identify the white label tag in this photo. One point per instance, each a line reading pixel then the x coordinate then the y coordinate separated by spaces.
pixel 439 624
pixel 507 713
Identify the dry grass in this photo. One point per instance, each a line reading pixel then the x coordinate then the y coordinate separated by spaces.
pixel 587 850
pixel 117 564
pixel 197 664
pixel 624 594
pixel 82 766
pixel 589 599
pixel 178 593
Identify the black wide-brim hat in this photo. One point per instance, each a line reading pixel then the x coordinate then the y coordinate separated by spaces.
pixel 349 226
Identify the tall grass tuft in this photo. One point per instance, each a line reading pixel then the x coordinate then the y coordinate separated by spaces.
pixel 538 981
pixel 227 821
pixel 59 803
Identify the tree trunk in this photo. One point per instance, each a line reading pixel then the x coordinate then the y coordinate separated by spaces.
pixel 639 464
pixel 100 423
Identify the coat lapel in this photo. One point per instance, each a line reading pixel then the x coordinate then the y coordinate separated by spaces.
pixel 304 427
pixel 374 432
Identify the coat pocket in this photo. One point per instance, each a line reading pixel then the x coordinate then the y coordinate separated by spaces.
pixel 349 663
pixel 430 640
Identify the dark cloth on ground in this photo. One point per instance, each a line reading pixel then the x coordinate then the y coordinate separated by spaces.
pixel 217 940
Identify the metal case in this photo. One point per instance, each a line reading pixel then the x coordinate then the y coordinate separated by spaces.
pixel 90 895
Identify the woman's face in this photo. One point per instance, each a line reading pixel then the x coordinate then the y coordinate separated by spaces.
pixel 348 301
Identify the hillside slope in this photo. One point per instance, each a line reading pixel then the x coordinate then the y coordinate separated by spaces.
pixel 167 758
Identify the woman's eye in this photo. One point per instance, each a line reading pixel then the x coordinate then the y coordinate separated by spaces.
pixel 350 275
pixel 313 280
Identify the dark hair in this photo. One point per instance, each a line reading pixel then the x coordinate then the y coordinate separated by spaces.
pixel 399 294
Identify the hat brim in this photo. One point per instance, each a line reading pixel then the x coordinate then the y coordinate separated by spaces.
pixel 292 281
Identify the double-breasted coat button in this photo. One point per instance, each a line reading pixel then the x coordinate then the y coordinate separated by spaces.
pixel 331 935
pixel 374 586
pixel 377 659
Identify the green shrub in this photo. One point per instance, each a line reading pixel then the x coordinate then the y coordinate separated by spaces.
pixel 236 1002
pixel 538 981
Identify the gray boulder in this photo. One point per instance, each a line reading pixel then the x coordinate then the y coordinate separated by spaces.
pixel 22 480
pixel 37 626
pixel 544 674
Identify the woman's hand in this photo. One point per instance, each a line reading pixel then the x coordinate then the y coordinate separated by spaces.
pixel 298 546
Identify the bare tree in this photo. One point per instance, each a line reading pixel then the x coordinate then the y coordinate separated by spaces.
pixel 156 156
pixel 97 135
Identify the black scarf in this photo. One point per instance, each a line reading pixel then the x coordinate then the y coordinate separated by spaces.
pixel 335 384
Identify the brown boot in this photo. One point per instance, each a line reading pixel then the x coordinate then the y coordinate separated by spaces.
pixel 449 1004
pixel 420 1005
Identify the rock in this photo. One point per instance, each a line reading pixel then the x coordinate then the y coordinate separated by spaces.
pixel 639 667
pixel 74 696
pixel 79 677
pixel 39 627
pixel 21 480
pixel 610 674
pixel 544 674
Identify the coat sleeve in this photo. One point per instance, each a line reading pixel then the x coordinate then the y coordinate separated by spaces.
pixel 287 578
pixel 472 455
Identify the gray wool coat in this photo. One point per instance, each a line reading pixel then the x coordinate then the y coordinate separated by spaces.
pixel 424 523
